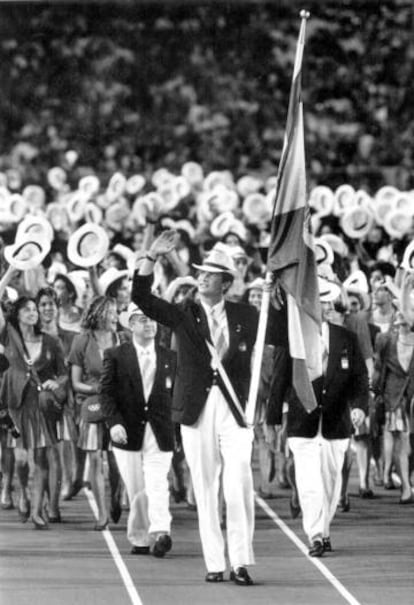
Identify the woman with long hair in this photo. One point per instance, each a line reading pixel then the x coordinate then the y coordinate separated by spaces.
pixel 393 382
pixel 36 365
pixel 99 326
pixel 71 458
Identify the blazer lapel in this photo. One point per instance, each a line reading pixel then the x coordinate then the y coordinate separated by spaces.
pixel 335 348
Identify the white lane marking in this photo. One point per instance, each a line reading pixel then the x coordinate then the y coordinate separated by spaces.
pixel 116 555
pixel 302 547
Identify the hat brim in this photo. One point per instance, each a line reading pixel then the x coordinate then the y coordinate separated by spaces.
pixel 213 269
pixel 42 247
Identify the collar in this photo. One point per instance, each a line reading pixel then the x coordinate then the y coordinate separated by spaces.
pixel 217 309
pixel 143 351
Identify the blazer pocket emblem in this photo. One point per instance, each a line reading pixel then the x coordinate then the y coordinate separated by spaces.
pixel 344 362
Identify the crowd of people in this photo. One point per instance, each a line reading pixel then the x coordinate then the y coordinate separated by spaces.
pixel 132 88
pixel 134 267
pixel 130 293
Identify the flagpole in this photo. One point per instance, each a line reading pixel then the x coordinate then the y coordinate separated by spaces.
pixel 264 308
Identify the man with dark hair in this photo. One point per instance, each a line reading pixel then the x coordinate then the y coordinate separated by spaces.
pixel 214 342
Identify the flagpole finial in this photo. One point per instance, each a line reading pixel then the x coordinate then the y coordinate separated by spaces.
pixel 304 14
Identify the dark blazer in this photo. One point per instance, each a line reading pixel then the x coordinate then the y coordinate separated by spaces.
pixel 344 386
pixel 123 399
pixel 194 374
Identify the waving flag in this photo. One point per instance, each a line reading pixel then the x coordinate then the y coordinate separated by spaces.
pixel 291 254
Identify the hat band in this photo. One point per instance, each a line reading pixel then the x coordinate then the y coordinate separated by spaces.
pixel 22 246
pixel 216 266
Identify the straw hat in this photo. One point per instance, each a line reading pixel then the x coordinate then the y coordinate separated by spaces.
pixel 135 184
pixel 116 187
pixel 88 245
pixel 193 173
pixel 408 257
pixel 398 223
pixel 344 198
pixel 35 225
pixel 357 222
pixel 89 185
pixel 328 290
pixel 248 184
pixel 110 276
pixel 34 196
pixel 56 177
pixel 257 208
pixel 336 243
pixel 322 200
pixel 323 251
pixel 218 260
pixel 28 251
pixel 75 205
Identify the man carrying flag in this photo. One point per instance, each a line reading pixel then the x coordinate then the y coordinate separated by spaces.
pixel 323 373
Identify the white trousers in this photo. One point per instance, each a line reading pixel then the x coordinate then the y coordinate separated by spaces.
pixel 145 475
pixel 318 472
pixel 216 445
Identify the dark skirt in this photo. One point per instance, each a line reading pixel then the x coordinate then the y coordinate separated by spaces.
pixel 36 428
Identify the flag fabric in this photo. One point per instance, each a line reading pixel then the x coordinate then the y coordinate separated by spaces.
pixel 291 254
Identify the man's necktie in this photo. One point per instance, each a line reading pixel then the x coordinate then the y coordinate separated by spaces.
pixel 147 373
pixel 218 337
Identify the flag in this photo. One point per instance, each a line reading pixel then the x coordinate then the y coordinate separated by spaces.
pixel 291 253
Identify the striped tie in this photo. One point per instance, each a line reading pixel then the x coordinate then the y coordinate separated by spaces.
pixel 147 373
pixel 218 337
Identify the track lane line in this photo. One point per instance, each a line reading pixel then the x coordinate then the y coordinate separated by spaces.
pixel 116 555
pixel 303 548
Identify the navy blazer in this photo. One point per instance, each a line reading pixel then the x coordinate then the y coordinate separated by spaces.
pixel 123 399
pixel 344 386
pixel 194 374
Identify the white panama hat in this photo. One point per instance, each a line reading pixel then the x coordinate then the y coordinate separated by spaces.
pixel 218 260
pixel 323 251
pixel 28 251
pixel 322 200
pixel 88 245
pixel 344 198
pixel 35 225
pixel 110 276
pixel 357 222
pixel 328 290
pixel 257 208
pixel 397 223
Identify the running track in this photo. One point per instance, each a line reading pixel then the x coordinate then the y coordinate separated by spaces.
pixel 372 564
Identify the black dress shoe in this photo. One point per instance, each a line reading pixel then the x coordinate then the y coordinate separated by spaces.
pixel 55 518
pixel 240 576
pixel 140 550
pixel 214 576
pixel 316 550
pixel 162 545
pixel 327 546
pixel 294 509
